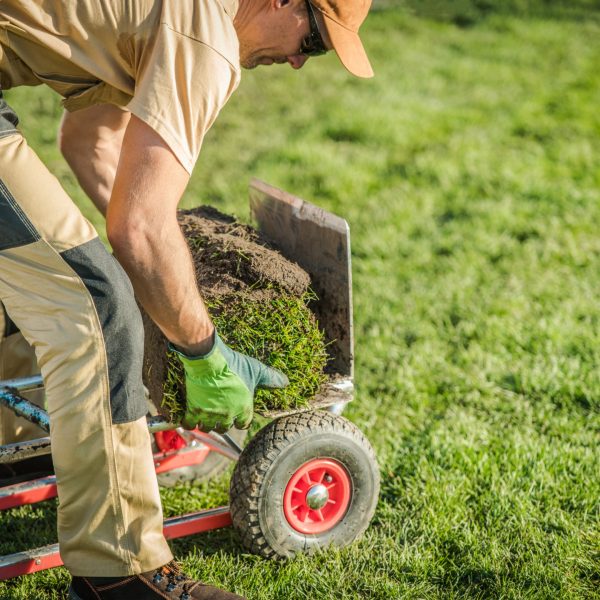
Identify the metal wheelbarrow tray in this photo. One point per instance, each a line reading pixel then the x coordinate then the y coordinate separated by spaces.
pixel 306 480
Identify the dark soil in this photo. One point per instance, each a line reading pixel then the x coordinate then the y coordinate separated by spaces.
pixel 233 263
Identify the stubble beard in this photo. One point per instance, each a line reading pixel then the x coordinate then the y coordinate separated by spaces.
pixel 248 60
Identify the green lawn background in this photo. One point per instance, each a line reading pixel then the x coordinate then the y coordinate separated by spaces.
pixel 469 171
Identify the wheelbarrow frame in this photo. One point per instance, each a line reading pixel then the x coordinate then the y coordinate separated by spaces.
pixel 319 242
pixel 44 488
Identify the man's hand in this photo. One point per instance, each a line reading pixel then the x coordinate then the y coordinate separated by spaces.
pixel 220 387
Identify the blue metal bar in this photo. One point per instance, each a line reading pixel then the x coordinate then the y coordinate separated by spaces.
pixel 23 384
pixel 23 408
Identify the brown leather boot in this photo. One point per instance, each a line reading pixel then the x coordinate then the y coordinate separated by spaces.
pixel 167 582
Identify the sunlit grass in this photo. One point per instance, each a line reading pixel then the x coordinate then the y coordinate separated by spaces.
pixel 468 170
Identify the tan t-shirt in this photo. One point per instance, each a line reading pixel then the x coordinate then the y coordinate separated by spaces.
pixel 172 63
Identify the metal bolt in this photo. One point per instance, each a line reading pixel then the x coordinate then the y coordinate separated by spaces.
pixel 328 478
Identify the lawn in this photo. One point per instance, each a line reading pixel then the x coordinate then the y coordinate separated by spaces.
pixel 469 171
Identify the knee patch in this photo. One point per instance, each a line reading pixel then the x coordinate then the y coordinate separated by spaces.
pixel 121 324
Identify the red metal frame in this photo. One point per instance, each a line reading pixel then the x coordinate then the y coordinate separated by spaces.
pixel 169 440
pixel 168 461
pixel 48 557
pixel 204 520
pixel 30 561
pixel 38 490
pixel 29 492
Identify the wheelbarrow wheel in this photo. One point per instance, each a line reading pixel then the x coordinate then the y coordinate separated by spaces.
pixel 212 465
pixel 305 481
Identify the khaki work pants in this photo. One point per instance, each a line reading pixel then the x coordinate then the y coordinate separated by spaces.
pixel 74 305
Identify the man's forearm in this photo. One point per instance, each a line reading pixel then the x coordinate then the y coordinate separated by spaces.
pixel 161 270
pixel 143 231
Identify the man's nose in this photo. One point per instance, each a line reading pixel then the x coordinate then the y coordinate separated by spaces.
pixel 297 61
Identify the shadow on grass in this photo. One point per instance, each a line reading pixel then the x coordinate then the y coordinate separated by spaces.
pixel 219 541
pixel 563 398
pixel 28 527
pixel 476 582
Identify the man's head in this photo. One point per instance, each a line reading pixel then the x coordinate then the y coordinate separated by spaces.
pixel 280 31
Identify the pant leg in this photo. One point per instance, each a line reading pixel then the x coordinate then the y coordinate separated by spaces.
pixel 17 359
pixel 75 306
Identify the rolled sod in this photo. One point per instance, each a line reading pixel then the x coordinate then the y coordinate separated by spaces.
pixel 260 303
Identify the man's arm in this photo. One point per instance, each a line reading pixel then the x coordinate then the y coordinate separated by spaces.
pixel 122 163
pixel 90 140
pixel 142 228
pixel 138 190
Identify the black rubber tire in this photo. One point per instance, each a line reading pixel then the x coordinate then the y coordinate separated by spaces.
pixel 269 461
pixel 214 464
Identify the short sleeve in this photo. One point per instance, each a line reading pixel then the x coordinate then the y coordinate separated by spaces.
pixel 181 86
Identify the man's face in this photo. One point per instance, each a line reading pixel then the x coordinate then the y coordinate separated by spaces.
pixel 275 36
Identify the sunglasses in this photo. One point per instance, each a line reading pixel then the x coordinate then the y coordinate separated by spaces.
pixel 312 44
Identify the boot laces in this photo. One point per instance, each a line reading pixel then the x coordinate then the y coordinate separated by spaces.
pixel 176 578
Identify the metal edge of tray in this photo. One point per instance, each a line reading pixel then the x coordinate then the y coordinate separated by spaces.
pixel 332 395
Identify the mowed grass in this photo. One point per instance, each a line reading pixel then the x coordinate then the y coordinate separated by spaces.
pixel 469 171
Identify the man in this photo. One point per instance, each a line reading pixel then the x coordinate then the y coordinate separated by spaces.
pixel 142 81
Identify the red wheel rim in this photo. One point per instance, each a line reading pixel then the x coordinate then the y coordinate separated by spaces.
pixel 317 496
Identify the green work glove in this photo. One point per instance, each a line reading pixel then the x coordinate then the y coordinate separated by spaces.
pixel 220 387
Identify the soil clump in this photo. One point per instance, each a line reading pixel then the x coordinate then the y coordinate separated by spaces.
pixel 259 302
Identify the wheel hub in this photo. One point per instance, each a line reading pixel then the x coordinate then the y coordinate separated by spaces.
pixel 317 496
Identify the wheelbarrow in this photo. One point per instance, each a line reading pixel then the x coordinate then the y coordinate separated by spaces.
pixel 306 480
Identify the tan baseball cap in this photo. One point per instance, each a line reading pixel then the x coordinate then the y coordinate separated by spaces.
pixel 342 20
